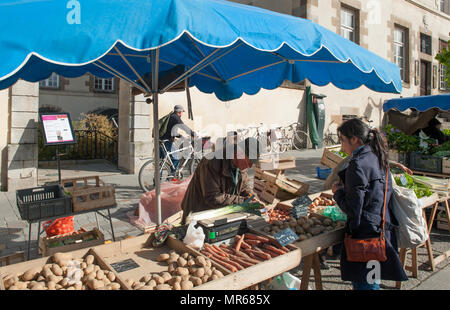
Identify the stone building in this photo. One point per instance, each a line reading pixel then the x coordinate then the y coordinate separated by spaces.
pixel 407 32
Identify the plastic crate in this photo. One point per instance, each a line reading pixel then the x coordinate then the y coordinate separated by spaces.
pixel 43 202
pixel 426 163
pixel 323 173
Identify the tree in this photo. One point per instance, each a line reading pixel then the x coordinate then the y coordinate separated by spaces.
pixel 444 58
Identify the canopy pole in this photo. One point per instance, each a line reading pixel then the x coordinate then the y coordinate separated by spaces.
pixel 154 55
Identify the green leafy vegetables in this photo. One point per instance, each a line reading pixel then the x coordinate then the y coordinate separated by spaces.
pixel 420 189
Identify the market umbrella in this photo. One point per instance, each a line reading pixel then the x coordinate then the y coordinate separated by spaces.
pixel 422 103
pixel 227 49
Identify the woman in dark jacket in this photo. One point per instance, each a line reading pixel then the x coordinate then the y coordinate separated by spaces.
pixel 361 197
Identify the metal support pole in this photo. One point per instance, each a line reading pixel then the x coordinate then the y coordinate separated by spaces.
pixel 29 240
pixel 154 54
pixel 58 163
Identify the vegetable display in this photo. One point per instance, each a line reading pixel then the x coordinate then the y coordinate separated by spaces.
pixel 320 203
pixel 419 189
pixel 65 273
pixel 400 141
pixel 340 153
pixel 184 272
pixel 306 227
pixel 247 250
pixel 243 207
pixel 278 214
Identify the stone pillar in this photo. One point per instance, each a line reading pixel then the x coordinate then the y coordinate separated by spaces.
pixel 4 135
pixel 22 146
pixel 135 138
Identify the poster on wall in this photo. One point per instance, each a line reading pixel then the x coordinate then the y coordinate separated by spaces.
pixel 57 129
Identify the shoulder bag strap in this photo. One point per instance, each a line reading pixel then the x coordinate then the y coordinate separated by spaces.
pixel 385 198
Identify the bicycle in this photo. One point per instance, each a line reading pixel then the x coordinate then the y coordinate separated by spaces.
pixel 186 166
pixel 330 139
pixel 294 138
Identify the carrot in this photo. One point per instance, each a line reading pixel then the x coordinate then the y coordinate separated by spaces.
pixel 270 253
pixel 255 237
pixel 212 249
pixel 235 264
pixel 243 263
pixel 239 243
pixel 273 249
pixel 261 254
pixel 219 250
pixel 224 262
pixel 253 242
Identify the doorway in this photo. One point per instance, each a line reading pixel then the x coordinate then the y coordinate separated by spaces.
pixel 425 78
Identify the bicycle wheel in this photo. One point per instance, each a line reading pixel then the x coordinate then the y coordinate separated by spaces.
pixel 147 175
pixel 300 140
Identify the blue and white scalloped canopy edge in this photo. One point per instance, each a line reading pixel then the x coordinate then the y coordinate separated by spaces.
pixel 253 48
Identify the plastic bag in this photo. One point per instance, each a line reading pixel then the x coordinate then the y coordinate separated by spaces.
pixel 172 194
pixel 334 213
pixel 195 237
pixel 59 226
pixel 285 281
pixel 412 229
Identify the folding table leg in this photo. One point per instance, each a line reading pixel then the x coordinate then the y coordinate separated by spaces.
pixel 112 229
pixel 317 273
pixel 402 256
pixel 306 272
pixel 428 242
pixel 432 216
pixel 29 240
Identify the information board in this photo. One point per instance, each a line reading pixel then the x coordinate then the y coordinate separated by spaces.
pixel 286 236
pixel 57 129
pixel 300 206
pixel 125 265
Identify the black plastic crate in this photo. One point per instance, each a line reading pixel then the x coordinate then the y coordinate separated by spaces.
pixel 404 158
pixel 426 163
pixel 43 202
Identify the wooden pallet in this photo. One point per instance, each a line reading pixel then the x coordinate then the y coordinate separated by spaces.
pixel 89 196
pixel 329 158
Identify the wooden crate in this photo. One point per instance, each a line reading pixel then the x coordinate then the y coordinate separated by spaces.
pixel 87 196
pixel 442 222
pixel 174 220
pixel 40 262
pixel 277 163
pixel 428 201
pixel 44 243
pixel 329 158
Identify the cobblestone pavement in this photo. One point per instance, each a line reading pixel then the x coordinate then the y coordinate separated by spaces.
pixel 14 231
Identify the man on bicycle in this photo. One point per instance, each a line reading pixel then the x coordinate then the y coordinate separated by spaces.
pixel 173 124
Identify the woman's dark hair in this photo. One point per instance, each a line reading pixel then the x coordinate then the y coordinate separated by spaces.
pixel 356 128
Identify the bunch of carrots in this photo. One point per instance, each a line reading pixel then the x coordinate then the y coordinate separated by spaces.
pixel 246 251
pixel 278 214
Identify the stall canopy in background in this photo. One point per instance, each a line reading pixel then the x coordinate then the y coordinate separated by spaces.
pixel 229 48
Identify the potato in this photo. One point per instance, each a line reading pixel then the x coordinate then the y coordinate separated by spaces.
pixel 146 288
pixel 200 272
pixel 200 261
pixel 205 278
pixel 78 286
pixel 276 229
pixel 308 235
pixel 51 285
pixel 174 280
pixel 89 260
pixel 302 237
pixel 208 272
pixel 163 287
pixel 192 269
pixel 182 271
pixel 218 273
pixel 316 230
pixel 96 268
pixel 83 265
pixel 196 281
pixel 329 228
pixel 115 286
pixel 285 225
pixel 62 258
pixel 185 256
pixel 21 285
pixel 151 283
pixel 40 279
pixel 46 272
pixel 299 230
pixel 176 286
pixel 292 224
pixel 186 285
pixel 166 276
pixel 65 282
pixel 31 274
pixel 106 281
pixel 266 229
pixel 38 287
pixel 71 288
pixel 158 279
pixel 10 281
pixel 163 257
pixel 172 267
pixel 100 275
pixel 185 278
pixel 95 284
pixel 327 222
pixel 138 285
pixel 13 288
pixel 277 223
pixel 214 277
pixel 58 286
pixel 173 258
pixel 57 271
pixel 146 278
pixel 91 276
pixel 181 262
pixel 89 269
pixel 191 263
pixel 208 263
pixel 306 226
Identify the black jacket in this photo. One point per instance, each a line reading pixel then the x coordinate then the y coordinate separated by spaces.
pixel 175 120
pixel 362 199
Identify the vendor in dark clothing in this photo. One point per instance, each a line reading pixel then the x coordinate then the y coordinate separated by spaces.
pixel 434 131
pixel 171 133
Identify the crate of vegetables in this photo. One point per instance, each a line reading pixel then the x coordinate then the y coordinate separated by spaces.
pixel 426 163
pixel 252 258
pixel 332 156
pixel 70 242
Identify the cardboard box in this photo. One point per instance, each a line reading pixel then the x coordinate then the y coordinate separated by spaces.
pixel 47 249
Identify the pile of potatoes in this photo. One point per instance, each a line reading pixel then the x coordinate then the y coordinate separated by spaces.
pixel 184 273
pixel 305 227
pixel 64 274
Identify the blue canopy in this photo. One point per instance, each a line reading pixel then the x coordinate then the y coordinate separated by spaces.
pixel 226 48
pixel 422 103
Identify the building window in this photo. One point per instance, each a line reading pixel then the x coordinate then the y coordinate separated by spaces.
pixel 104 85
pixel 349 24
pixel 51 82
pixel 442 6
pixel 443 85
pixel 425 44
pixel 400 50
pixel 301 9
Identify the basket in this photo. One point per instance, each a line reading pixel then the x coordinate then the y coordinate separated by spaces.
pixel 426 163
pixel 323 173
pixel 43 202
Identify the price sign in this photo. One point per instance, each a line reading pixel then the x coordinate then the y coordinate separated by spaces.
pixel 57 129
pixel 300 206
pixel 125 265
pixel 286 237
